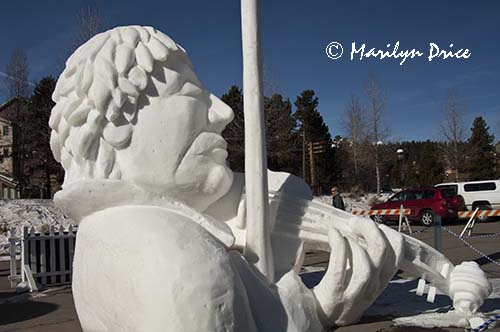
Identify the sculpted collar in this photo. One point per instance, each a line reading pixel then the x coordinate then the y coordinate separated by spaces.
pixel 82 198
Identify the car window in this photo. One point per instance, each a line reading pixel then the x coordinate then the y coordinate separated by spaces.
pixel 448 191
pixel 480 186
pixel 418 194
pixel 410 196
pixel 428 194
pixel 396 198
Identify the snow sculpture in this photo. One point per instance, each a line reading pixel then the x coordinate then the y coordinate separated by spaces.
pixel 162 218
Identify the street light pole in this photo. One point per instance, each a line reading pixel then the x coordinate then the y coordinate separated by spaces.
pixel 400 154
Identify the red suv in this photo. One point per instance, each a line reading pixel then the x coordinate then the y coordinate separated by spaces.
pixel 423 203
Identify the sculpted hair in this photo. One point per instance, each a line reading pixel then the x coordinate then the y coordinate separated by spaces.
pixel 97 98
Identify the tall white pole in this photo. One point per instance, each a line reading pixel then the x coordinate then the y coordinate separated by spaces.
pixel 258 235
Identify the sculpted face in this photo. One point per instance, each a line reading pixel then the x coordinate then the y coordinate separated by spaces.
pixel 177 149
pixel 129 107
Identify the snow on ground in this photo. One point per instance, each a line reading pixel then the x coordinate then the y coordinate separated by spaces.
pixel 399 301
pixel 17 213
pixel 441 313
pixel 358 202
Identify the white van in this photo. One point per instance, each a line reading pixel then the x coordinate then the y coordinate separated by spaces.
pixel 484 195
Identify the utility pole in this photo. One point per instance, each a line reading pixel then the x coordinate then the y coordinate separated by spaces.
pixel 313 169
pixel 315 148
pixel 304 155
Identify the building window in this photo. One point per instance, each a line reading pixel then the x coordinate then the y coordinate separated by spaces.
pixel 5 130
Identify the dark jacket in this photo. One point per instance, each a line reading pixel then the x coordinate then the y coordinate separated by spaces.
pixel 338 202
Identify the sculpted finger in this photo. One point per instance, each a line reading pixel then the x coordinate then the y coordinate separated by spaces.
pixel 359 293
pixel 328 292
pixel 362 272
pixel 397 242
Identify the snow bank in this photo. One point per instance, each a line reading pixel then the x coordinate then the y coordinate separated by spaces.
pixel 17 213
pixel 363 202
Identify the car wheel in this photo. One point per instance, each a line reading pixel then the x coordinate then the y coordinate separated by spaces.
pixel 427 218
pixel 378 219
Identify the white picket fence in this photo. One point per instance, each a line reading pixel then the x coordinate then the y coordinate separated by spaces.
pixel 46 258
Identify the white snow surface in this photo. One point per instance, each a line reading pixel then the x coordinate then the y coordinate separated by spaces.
pixel 17 213
pixel 399 302
pixel 415 311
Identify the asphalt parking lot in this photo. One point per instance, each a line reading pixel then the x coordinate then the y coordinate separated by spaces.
pixel 53 309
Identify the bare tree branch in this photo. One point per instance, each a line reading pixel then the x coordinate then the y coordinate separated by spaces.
pixel 355 127
pixel 16 74
pixel 89 22
pixel 453 131
pixel 378 131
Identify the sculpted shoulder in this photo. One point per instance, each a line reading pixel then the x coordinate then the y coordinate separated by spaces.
pixel 162 227
pixel 168 258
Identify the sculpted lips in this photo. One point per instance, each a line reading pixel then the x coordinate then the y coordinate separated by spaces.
pixel 211 144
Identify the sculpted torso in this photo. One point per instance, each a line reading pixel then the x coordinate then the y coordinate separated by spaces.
pixel 162 216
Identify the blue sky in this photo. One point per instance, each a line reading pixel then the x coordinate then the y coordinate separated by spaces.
pixel 294 35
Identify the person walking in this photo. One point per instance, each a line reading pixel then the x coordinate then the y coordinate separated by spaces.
pixel 337 201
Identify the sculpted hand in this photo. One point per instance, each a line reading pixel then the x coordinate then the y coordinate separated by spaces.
pixel 360 268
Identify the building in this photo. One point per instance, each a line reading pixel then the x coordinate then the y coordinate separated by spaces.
pixel 8 114
pixel 6 140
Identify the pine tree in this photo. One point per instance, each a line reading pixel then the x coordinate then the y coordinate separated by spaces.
pixel 42 172
pixel 482 151
pixel 312 125
pixel 234 133
pixel 283 150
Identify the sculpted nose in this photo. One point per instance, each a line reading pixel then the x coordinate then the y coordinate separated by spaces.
pixel 219 114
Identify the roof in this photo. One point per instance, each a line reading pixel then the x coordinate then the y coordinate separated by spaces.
pixel 5 121
pixel 420 188
pixel 8 103
pixel 9 113
pixel 8 180
pixel 467 182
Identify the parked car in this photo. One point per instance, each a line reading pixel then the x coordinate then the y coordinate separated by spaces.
pixel 423 204
pixel 484 195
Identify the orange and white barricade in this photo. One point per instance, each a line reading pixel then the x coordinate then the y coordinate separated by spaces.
pixel 384 212
pixel 401 212
pixel 479 213
pixel 473 215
